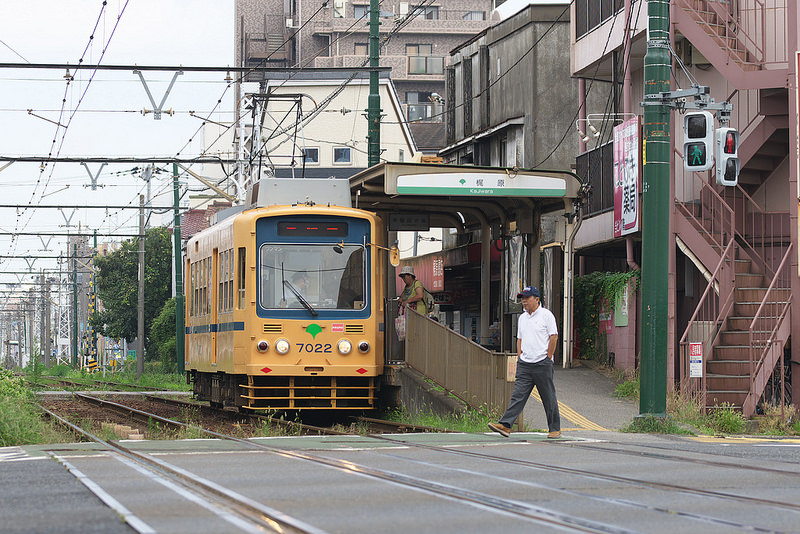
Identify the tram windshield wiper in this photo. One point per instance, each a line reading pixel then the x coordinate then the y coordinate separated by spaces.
pixel 300 298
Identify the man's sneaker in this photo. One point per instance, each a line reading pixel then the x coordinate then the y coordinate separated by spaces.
pixel 554 434
pixel 500 429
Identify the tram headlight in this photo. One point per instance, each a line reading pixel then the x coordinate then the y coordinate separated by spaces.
pixel 344 346
pixel 363 347
pixel 282 346
pixel 262 346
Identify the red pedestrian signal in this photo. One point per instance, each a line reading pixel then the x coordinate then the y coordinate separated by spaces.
pixel 728 164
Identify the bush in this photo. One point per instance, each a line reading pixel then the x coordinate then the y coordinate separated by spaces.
pixel 654 425
pixel 162 333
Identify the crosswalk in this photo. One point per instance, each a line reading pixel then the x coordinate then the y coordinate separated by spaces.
pixel 14 454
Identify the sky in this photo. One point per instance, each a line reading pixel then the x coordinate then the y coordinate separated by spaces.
pixel 101 110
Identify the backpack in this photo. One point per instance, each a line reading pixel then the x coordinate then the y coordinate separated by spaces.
pixel 428 300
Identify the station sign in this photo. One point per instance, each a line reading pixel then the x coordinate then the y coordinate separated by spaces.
pixel 409 222
pixel 481 184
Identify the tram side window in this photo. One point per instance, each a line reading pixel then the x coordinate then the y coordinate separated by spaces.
pixel 194 288
pixel 241 269
pixel 221 283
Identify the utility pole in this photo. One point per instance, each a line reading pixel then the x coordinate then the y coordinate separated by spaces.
pixel 374 98
pixel 140 322
pixel 180 336
pixel 655 216
pixel 48 349
pixel 74 304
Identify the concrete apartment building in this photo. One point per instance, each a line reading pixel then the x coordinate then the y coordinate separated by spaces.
pixel 733 261
pixel 416 38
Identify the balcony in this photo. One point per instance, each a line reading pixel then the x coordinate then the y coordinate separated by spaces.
pixel 453 22
pixel 431 69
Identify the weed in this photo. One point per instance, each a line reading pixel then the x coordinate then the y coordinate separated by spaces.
pixel 466 421
pixel 655 425
pixel 773 423
pixel 724 418
pixel 629 387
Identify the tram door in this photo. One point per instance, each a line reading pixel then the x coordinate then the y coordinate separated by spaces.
pixel 214 303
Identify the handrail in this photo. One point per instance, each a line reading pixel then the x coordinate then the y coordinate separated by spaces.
pixel 707 306
pixel 722 224
pixel 776 320
pixel 740 35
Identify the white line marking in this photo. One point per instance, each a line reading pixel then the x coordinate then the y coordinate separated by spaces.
pixel 137 524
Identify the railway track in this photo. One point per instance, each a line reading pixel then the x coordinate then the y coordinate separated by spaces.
pixel 236 509
pixel 543 515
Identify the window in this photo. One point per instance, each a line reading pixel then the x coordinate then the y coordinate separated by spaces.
pixel 242 275
pixel 361 11
pixel 311 155
pixel 341 154
pixel 325 46
pixel 297 275
pixel 425 65
pixel 426 12
pixel 419 105
pixel 474 15
pixel 401 155
pixel 419 49
pixel 361 49
pixel 338 9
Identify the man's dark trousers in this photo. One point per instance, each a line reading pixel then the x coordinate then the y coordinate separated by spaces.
pixel 539 374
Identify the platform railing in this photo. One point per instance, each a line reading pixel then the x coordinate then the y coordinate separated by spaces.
pixel 472 372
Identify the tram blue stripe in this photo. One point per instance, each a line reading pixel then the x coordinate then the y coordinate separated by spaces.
pixel 216 327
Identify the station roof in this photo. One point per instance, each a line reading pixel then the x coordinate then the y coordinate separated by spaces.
pixel 496 194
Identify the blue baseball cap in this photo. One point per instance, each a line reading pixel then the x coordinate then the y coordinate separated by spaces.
pixel 529 291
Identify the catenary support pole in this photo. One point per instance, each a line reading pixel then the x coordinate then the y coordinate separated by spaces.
pixel 74 304
pixel 374 98
pixel 140 315
pixel 655 212
pixel 180 339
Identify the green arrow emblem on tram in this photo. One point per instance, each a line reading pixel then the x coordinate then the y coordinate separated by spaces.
pixel 313 329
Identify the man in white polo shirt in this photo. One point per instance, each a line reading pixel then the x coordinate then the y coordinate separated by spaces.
pixel 537 337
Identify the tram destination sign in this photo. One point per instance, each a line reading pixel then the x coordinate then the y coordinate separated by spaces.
pixel 481 184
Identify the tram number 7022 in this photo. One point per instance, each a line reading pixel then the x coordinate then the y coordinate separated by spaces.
pixel 310 347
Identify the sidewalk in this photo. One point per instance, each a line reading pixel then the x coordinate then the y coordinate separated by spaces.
pixel 586 401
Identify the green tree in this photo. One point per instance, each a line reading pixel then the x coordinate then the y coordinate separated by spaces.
pixel 162 335
pixel 117 285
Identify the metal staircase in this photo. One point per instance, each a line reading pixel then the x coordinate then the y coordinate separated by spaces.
pixel 742 319
pixel 740 39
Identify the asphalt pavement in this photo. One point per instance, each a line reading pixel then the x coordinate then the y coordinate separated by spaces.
pixel 586 401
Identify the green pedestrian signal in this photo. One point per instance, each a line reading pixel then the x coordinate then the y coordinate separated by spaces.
pixel 696 154
pixel 698 141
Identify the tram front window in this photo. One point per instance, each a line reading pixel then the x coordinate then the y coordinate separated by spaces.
pixel 326 277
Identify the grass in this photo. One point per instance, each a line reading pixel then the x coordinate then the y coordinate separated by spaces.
pixel 655 425
pixel 628 385
pixel 468 421
pixel 20 418
pixel 151 377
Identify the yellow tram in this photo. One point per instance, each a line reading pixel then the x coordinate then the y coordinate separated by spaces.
pixel 285 301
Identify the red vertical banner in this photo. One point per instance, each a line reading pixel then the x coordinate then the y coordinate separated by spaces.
pixel 626 177
pixel 438 274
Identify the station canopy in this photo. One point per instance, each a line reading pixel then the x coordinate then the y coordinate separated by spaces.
pixel 479 194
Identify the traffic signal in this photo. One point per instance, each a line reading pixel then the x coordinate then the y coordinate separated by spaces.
pixel 698 141
pixel 727 151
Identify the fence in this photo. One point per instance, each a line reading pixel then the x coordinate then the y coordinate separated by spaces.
pixel 473 373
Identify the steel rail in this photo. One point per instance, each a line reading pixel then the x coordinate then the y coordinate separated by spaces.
pixel 523 510
pixel 260 514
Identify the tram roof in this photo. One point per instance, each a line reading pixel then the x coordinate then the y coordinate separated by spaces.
pixel 441 191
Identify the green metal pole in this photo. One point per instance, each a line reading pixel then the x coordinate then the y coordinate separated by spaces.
pixel 74 305
pixel 180 339
pixel 655 217
pixel 374 99
pixel 93 303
